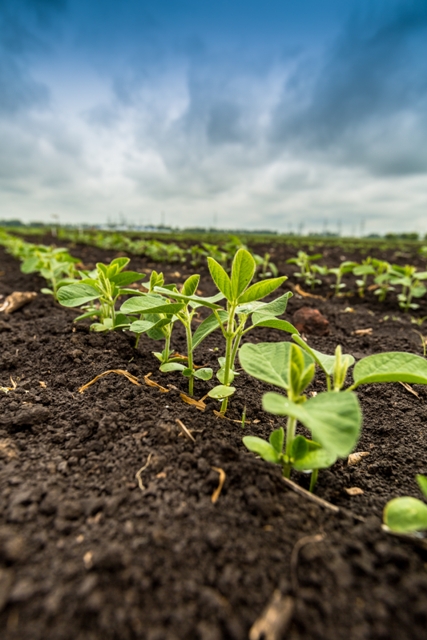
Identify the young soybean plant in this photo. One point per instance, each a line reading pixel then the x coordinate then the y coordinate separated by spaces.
pixel 307 271
pixel 411 282
pixel 160 309
pixel 242 302
pixel 156 316
pixel 345 267
pixel 407 515
pixel 334 417
pixel 105 284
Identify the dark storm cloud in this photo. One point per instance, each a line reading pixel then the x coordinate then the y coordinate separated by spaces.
pixel 372 79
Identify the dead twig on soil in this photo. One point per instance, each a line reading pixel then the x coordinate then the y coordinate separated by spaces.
pixel 222 477
pixel 310 496
pixel 199 404
pixel 16 300
pixel 152 383
pixel 305 294
pixel 223 417
pixel 12 388
pixel 121 372
pixel 410 389
pixel 138 473
pixel 184 429
pixel 302 542
pixel 275 619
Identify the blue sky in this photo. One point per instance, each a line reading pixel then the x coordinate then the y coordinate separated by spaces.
pixel 277 114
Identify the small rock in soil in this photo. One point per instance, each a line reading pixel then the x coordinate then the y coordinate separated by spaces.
pixel 308 320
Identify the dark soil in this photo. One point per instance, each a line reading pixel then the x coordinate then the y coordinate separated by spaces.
pixel 88 554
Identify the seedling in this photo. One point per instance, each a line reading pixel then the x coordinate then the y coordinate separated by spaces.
pixel 333 417
pixel 407 515
pixel 345 267
pixel 157 308
pixel 411 282
pixel 307 270
pixel 242 302
pixel 105 284
pixel 382 278
pixel 265 268
pixel 364 270
pixel 54 264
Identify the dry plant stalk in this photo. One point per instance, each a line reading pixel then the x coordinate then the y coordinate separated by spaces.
pixel 121 372
pixel 185 430
pixel 152 383
pixel 410 389
pixel 310 496
pixel 16 300
pixel 222 477
pixel 302 542
pixel 12 388
pixel 305 294
pixel 274 620
pixel 138 473
pixel 199 404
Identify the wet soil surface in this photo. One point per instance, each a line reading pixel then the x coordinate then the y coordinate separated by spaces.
pixel 90 551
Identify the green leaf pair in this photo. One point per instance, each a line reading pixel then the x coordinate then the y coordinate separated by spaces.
pixel 105 284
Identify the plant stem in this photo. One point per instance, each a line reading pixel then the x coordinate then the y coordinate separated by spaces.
pixel 166 350
pixel 229 337
pixel 290 436
pixel 189 337
pixel 313 479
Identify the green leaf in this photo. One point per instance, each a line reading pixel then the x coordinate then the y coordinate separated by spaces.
pixel 150 304
pixel 120 263
pixel 75 295
pixel 172 366
pixel 221 391
pixel 422 483
pixel 275 308
pixel 30 264
pixel 89 314
pixel 120 321
pixel 276 323
pixel 220 277
pixel 269 362
pixel 262 448
pixel 316 459
pixel 203 374
pixel 190 285
pixel 299 448
pixel 334 418
pixel 126 278
pixel 277 439
pixel 100 327
pixel 197 300
pixel 207 326
pixel 242 272
pixel 260 290
pixel 325 362
pixel 142 326
pixel 406 515
pixel 393 366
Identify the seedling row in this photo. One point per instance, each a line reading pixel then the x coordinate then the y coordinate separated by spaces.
pixel 333 417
